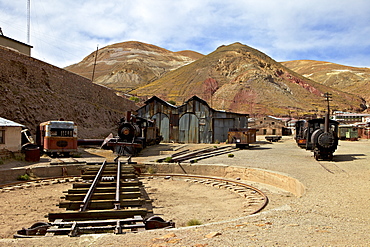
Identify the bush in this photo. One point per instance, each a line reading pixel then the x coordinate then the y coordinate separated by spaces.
pixel 230 155
pixel 172 102
pixel 168 159
pixel 133 98
pixel 194 222
pixel 19 157
pixel 150 170
pixel 24 177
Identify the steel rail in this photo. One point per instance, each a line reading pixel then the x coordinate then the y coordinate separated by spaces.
pixel 117 204
pixel 265 198
pixel 90 192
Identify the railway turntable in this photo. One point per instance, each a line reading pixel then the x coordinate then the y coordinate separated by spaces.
pixel 109 198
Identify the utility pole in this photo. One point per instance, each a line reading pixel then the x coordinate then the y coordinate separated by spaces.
pixel 96 56
pixel 28 20
pixel 328 97
pixel 327 115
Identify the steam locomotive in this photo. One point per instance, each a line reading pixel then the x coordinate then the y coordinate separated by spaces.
pixel 318 135
pixel 134 134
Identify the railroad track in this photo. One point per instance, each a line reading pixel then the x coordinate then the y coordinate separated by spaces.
pixel 255 198
pixel 331 167
pixel 110 198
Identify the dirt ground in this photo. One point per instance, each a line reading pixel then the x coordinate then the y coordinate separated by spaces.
pixel 334 211
pixel 173 199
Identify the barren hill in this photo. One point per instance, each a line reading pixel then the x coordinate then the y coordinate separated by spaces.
pixel 128 65
pixel 239 78
pixel 348 79
pixel 33 92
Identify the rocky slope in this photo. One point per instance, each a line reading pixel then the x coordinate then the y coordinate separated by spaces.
pixel 129 65
pixel 33 91
pixel 348 79
pixel 241 79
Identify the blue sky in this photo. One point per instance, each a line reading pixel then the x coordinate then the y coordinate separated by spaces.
pixel 64 32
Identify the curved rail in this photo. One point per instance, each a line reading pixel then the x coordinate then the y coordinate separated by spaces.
pixel 265 198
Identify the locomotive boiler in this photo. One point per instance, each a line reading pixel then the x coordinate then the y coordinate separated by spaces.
pixel 322 138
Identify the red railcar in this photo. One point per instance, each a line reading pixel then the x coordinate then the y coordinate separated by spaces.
pixel 57 137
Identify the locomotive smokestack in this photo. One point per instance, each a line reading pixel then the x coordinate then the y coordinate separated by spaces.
pixel 128 116
pixel 326 127
pixel 327 115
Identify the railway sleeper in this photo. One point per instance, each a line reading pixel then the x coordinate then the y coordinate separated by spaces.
pixel 102 204
pixel 123 183
pixel 102 190
pixel 91 177
pixel 102 196
pixel 98 214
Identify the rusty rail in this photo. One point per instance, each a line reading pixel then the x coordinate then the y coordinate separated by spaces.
pixel 117 204
pixel 89 194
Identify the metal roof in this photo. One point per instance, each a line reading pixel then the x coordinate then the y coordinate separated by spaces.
pixel 9 123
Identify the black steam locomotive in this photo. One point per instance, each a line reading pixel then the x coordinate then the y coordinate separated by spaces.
pixel 134 134
pixel 318 135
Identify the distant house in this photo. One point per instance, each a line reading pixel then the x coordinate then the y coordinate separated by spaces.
pixel 270 125
pixel 193 122
pixel 16 45
pixel 350 118
pixel 10 135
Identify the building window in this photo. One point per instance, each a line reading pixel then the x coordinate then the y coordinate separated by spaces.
pixel 2 136
pixel 264 131
pixel 272 123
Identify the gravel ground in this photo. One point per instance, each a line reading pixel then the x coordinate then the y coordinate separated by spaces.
pixel 334 211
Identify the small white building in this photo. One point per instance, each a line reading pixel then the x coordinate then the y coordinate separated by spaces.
pixel 10 135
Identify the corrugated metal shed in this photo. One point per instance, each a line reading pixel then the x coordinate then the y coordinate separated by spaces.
pixel 8 123
pixel 193 122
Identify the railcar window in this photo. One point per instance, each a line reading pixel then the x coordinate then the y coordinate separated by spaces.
pixel 61 132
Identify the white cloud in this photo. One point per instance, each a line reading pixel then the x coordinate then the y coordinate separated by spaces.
pixel 64 32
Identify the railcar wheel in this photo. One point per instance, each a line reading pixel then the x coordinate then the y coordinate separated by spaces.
pixel 317 156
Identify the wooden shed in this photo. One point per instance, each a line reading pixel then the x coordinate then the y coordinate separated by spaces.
pixel 193 122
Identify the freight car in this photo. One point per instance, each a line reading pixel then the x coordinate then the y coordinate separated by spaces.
pixel 134 134
pixel 242 137
pixel 57 138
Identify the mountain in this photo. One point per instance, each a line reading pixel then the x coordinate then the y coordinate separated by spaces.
pixel 128 65
pixel 33 92
pixel 242 79
pixel 345 78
